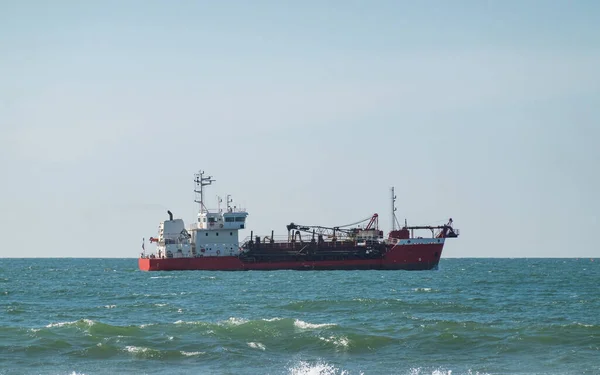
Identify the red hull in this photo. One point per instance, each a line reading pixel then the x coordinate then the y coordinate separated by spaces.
pixel 407 257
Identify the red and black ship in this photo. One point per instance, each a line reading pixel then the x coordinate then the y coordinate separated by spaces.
pixel 212 244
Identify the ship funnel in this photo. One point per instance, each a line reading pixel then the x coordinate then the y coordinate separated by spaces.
pixel 170 215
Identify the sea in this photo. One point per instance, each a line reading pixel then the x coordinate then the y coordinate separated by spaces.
pixel 471 316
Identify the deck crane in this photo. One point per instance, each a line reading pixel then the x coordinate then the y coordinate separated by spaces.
pixel 332 232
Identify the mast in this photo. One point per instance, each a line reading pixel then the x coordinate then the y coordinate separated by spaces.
pixel 201 182
pixel 393 209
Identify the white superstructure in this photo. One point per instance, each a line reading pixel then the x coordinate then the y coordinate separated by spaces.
pixel 213 234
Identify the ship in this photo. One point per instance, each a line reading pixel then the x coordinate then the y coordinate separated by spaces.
pixel 212 243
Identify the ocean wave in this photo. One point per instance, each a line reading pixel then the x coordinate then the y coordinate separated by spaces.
pixel 368 305
pixel 92 328
pixel 326 305
pixel 276 322
pixel 133 350
pixel 256 345
pixel 304 325
pixel 441 371
pixel 235 321
pixel 78 323
pixel 318 368
pixel 272 319
pixel 95 339
pixel 14 310
pixel 571 334
pixel 426 290
pixel 340 342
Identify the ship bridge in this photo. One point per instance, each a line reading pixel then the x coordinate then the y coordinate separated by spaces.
pixel 218 220
pixel 235 219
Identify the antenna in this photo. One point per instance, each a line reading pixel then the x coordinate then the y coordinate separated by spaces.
pixel 229 201
pixel 219 201
pixel 393 209
pixel 201 182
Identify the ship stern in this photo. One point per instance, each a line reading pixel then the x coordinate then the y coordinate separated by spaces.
pixel 144 264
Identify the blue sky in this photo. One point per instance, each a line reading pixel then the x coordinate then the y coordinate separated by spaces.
pixel 483 111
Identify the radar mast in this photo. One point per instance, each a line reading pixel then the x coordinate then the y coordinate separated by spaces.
pixel 201 182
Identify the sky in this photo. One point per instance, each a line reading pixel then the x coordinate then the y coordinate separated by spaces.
pixel 308 112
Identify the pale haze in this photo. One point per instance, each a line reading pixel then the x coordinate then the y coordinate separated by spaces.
pixel 484 111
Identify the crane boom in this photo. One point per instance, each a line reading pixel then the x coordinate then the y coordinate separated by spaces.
pixel 373 224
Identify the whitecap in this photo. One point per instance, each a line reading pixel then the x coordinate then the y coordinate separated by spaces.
pixel 235 321
pixel 88 322
pixel 305 368
pixel 187 322
pixel 61 324
pixel 191 354
pixel 422 289
pixel 256 345
pixel 135 349
pixel 272 319
pixel 439 371
pixel 304 325
pixel 342 342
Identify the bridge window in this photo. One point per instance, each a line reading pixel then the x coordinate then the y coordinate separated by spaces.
pixel 229 219
pixel 239 219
